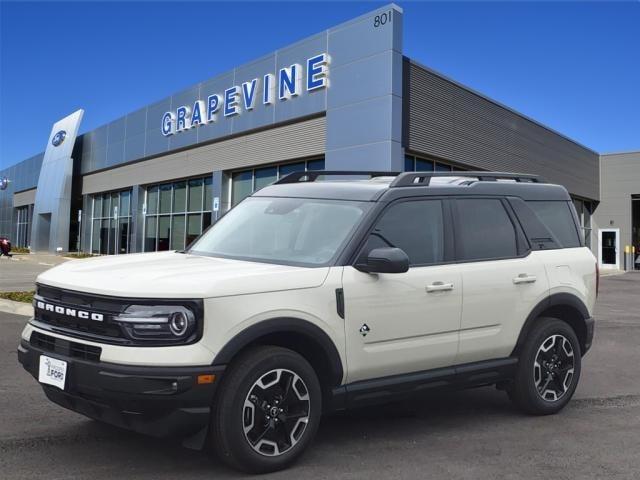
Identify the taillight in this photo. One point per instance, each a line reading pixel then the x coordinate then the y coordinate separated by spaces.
pixel 597 279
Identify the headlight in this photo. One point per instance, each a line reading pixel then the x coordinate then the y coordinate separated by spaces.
pixel 168 323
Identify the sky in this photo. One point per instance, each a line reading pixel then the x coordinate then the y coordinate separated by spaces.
pixel 573 66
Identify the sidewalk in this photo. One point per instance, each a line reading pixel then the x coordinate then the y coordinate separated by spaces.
pixel 17 308
pixel 45 259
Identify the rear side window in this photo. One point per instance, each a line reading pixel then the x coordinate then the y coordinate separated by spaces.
pixel 484 230
pixel 558 218
pixel 417 227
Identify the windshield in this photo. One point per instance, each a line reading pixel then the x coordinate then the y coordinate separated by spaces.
pixel 293 231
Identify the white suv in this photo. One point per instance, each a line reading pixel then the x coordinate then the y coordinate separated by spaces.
pixel 315 295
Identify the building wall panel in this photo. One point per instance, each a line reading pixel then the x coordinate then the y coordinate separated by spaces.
pixel 287 142
pixel 446 120
pixel 28 197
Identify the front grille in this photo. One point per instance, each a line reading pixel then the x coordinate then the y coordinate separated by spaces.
pixel 65 347
pixel 105 330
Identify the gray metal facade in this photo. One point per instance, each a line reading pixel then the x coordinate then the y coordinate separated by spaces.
pixel 22 176
pixel 619 180
pixel 52 207
pixel 446 120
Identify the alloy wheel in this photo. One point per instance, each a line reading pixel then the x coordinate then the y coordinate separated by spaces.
pixel 553 368
pixel 276 412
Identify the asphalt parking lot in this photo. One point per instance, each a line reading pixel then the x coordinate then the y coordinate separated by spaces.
pixel 475 434
pixel 19 272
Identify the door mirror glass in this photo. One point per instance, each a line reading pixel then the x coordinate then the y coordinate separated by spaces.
pixel 385 260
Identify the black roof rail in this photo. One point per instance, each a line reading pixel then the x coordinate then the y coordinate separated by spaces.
pixel 423 179
pixel 312 175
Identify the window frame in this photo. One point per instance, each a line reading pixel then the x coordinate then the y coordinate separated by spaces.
pixel 523 248
pixel 368 227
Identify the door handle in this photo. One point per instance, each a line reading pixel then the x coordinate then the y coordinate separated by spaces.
pixel 439 287
pixel 524 278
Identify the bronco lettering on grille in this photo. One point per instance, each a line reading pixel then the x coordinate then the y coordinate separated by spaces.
pixel 69 312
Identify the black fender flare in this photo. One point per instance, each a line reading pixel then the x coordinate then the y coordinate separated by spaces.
pixel 560 300
pixel 286 325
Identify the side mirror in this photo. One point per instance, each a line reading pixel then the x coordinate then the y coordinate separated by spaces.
pixel 385 260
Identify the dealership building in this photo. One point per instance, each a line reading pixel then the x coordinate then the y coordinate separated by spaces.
pixel 344 99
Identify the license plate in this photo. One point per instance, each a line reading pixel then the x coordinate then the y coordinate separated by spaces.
pixel 52 371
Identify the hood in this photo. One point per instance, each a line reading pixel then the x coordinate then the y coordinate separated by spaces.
pixel 178 275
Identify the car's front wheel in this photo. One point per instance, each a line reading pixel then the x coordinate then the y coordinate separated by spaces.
pixel 267 411
pixel 548 368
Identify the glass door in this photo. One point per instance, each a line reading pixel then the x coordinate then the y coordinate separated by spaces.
pixel 111 223
pixel 609 248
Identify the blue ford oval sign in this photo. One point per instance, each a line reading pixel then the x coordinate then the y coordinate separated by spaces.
pixel 4 183
pixel 58 138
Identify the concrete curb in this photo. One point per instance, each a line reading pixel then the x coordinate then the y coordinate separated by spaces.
pixel 17 308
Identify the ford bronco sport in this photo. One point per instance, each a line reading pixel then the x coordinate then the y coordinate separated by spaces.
pixel 314 295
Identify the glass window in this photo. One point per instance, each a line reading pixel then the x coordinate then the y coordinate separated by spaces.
pixel 179 196
pixel 194 227
pixel 265 176
pixel 206 220
pixel 97 206
pixel 558 218
pixel 95 243
pixel 104 236
pixel 123 240
pixel 23 226
pixel 485 231
pixel 164 229
pixel 177 232
pixel 115 205
pixel 293 231
pixel 195 195
pixel 246 182
pixel 150 234
pixel 152 200
pixel 315 164
pixel 125 203
pixel 409 165
pixel 424 165
pixel 106 206
pixel 587 224
pixel 208 193
pixel 241 186
pixel 441 167
pixel 165 198
pixel 417 227
pixel 291 167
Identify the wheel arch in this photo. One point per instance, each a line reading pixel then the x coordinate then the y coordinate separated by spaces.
pixel 564 306
pixel 301 336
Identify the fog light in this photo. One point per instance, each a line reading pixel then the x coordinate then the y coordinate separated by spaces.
pixel 178 324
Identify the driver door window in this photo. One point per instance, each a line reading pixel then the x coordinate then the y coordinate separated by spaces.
pixel 417 227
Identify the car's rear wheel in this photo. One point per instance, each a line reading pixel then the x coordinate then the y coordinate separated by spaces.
pixel 267 411
pixel 548 368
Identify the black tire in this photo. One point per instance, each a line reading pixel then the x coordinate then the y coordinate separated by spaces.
pixel 539 377
pixel 231 414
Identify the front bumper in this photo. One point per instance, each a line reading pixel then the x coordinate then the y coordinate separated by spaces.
pixel 157 401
